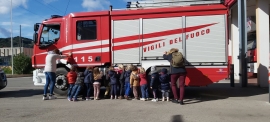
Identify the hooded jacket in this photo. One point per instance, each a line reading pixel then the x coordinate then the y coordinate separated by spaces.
pixel 113 77
pixel 154 78
pixel 79 79
pixel 164 80
pixel 89 78
pixel 143 79
pixel 71 77
pixel 134 79
pixel 127 76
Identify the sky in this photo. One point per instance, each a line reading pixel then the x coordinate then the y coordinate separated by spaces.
pixel 28 12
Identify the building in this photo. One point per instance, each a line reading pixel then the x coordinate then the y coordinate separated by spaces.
pixel 6 51
pixel 5 54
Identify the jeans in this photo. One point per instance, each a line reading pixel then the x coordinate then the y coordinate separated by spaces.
pixel 121 87
pixel 70 90
pixel 136 92
pixel 165 93
pixel 75 91
pixel 96 90
pixel 88 89
pixel 182 77
pixel 114 89
pixel 50 80
pixel 127 88
pixel 144 90
pixel 154 93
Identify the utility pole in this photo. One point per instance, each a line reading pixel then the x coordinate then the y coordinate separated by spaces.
pixel 242 20
pixel 20 40
pixel 11 38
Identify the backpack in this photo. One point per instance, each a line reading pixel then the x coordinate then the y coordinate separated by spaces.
pixel 177 59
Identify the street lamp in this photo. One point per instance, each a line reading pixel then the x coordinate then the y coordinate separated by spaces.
pixel 11 37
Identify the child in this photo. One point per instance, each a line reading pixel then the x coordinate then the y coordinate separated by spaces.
pixel 143 84
pixel 71 76
pixel 121 73
pixel 126 78
pixel 113 82
pixel 134 82
pixel 154 82
pixel 107 84
pixel 77 87
pixel 88 81
pixel 97 81
pixel 165 85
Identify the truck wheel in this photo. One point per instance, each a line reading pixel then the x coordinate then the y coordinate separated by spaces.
pixel 61 84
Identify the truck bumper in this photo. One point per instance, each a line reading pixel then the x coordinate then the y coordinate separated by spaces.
pixel 39 77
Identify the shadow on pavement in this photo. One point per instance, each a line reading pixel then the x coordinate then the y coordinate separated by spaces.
pixel 220 91
pixel 21 93
pixel 176 118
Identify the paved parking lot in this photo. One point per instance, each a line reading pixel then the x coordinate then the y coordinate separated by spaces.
pixel 22 101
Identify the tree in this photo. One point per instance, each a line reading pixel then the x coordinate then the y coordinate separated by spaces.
pixel 22 64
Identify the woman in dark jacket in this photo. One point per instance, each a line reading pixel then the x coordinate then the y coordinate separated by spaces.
pixel 176 72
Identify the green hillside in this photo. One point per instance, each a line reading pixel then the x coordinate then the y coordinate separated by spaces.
pixel 5 42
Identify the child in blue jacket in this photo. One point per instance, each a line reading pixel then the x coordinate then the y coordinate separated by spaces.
pixel 113 81
pixel 88 81
pixel 164 84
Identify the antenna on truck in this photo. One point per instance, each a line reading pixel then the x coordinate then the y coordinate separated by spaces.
pixel 170 3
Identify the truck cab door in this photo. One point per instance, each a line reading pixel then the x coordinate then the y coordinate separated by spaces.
pixel 86 41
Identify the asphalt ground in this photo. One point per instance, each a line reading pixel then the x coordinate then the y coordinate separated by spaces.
pixel 21 101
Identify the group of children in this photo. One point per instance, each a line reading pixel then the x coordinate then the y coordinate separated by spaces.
pixel 127 79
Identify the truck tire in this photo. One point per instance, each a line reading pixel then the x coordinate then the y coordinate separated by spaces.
pixel 61 84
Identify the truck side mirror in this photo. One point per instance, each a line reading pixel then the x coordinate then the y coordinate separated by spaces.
pixel 36 26
pixel 35 39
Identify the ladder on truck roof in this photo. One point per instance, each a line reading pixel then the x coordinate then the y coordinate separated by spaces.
pixel 169 3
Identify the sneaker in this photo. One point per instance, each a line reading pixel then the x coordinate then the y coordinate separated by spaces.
pixel 175 101
pixel 52 97
pixel 154 100
pixel 75 100
pixel 69 99
pixel 45 98
pixel 143 99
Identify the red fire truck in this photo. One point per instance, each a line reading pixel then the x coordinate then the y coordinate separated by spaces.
pixel 137 36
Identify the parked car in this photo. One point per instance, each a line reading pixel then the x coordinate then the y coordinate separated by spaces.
pixel 3 79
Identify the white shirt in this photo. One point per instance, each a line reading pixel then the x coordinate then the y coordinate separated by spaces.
pixel 50 62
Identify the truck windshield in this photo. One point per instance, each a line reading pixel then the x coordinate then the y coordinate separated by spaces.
pixel 50 34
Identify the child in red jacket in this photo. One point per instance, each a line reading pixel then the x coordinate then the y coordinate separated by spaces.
pixel 143 85
pixel 71 77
